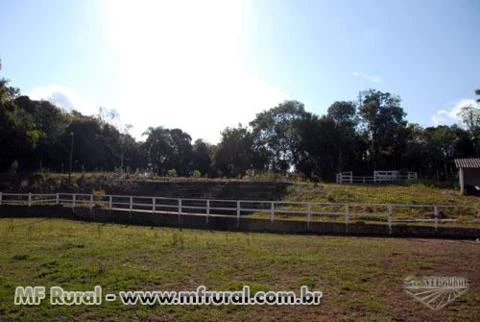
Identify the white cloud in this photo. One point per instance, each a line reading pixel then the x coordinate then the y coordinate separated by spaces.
pixel 64 97
pixel 370 78
pixel 449 114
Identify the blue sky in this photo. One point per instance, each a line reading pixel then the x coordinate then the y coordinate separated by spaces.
pixel 205 65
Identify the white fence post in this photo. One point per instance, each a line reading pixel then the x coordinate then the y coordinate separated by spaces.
pixel 29 199
pixel 208 209
pixel 309 214
pixel 74 199
pixel 179 206
pixel 347 214
pixel 272 211
pixel 1 198
pixel 390 219
pixel 435 214
pixel 153 205
pixel 91 202
pixel 110 202
pixel 57 199
pixel 131 204
pixel 238 213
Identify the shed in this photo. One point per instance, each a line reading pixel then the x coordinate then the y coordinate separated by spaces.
pixel 468 173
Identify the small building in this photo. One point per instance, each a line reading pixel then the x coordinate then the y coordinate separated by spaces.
pixel 468 174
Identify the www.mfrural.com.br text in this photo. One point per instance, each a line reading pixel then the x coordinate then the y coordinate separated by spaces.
pixel 35 295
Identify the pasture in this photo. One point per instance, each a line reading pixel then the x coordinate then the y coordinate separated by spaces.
pixel 361 278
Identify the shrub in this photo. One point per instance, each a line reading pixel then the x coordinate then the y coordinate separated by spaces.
pixel 197 174
pixel 14 167
pixel 172 173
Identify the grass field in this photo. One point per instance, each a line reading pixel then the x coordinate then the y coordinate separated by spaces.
pixel 414 193
pixel 414 200
pixel 361 278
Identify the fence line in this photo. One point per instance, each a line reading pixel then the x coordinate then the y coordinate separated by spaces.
pixel 379 176
pixel 390 214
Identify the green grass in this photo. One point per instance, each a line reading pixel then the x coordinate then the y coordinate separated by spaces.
pixel 369 204
pixel 361 278
pixel 415 193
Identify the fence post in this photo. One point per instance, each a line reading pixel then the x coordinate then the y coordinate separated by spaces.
pixel 389 219
pixel 272 211
pixel 238 213
pixel 1 198
pixel 208 209
pixel 153 205
pixel 179 206
pixel 74 199
pixel 29 199
pixel 309 215
pixel 110 203
pixel 131 204
pixel 435 214
pixel 91 202
pixel 347 214
pixel 57 199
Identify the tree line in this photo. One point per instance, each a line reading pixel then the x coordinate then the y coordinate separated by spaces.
pixel 369 134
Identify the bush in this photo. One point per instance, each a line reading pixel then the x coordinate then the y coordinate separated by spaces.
pixel 197 174
pixel 14 167
pixel 172 173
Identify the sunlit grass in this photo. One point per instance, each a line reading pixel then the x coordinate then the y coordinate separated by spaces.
pixel 415 193
pixel 361 277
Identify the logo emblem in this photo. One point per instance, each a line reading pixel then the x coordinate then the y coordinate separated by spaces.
pixel 435 291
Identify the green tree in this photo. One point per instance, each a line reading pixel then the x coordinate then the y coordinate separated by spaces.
pixel 344 117
pixel 316 149
pixel 182 152
pixel 385 127
pixel 159 149
pixel 169 149
pixel 7 93
pixel 50 122
pixel 19 135
pixel 234 153
pixel 275 137
pixel 201 156
pixel 470 117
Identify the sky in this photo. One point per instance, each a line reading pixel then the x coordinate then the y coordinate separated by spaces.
pixel 204 65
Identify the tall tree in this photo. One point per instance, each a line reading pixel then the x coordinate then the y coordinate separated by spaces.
pixel 182 152
pixel 317 151
pixel 169 149
pixel 275 134
pixel 344 117
pixel 385 125
pixel 201 157
pixel 470 117
pixel 159 149
pixel 234 152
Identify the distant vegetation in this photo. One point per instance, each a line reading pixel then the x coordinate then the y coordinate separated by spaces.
pixel 361 136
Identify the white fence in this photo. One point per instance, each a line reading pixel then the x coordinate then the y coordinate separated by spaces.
pixel 274 210
pixel 378 177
